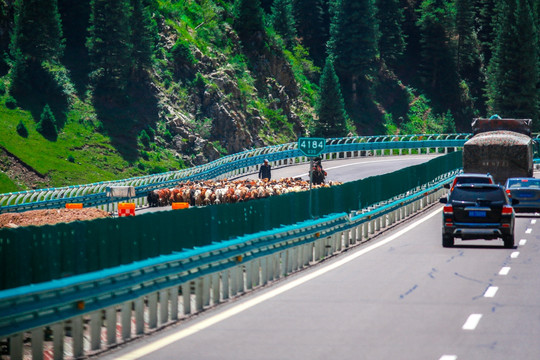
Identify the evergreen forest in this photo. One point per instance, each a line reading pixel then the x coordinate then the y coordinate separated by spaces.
pixel 94 90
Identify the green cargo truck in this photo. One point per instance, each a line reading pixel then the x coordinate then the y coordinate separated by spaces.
pixel 500 147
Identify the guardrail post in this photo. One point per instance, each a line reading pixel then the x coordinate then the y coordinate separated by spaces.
pixel 234 280
pixel 255 279
pixel 206 290
pixel 240 280
pixel 37 344
pixel 152 310
pixel 225 284
pixel 173 296
pixel 16 347
pixel 95 330
pixel 58 340
pixel 139 316
pixel 199 294
pixel 347 238
pixel 110 319
pixel 365 226
pixel 163 306
pixel 264 272
pixel 77 336
pixel 249 274
pixel 126 320
pixel 215 288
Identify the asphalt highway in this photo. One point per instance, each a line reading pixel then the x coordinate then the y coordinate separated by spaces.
pixel 399 296
pixel 345 170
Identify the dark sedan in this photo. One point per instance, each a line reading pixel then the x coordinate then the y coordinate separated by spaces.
pixel 527 191
pixel 478 211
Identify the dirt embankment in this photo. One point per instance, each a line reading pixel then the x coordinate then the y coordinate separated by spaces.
pixel 49 217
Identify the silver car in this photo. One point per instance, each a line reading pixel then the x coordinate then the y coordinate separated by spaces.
pixel 527 191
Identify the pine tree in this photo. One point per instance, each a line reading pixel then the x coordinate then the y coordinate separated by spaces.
pixel 514 66
pixel 37 32
pixel 248 19
pixel 283 21
pixel 47 124
pixel 392 40
pixel 469 63
pixel 353 38
pixel 438 72
pixel 143 35
pixel 109 45
pixel 485 14
pixel 312 26
pixel 332 120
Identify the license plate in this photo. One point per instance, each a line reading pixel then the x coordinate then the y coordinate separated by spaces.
pixel 477 213
pixel 525 195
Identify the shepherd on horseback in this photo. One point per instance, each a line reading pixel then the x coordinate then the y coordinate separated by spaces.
pixel 318 174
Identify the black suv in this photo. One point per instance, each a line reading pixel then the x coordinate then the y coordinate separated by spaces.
pixel 478 211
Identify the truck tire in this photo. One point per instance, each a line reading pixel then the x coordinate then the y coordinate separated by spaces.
pixel 447 241
pixel 508 241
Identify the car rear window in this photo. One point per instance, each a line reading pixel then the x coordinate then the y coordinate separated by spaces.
pixel 524 183
pixel 473 194
pixel 473 180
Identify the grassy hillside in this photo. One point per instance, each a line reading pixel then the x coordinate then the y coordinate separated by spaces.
pixel 206 94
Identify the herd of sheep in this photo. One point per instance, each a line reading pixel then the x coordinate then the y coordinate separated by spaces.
pixel 208 192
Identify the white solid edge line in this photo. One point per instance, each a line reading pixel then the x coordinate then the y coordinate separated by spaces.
pixel 263 297
pixel 491 291
pixel 504 271
pixel 472 322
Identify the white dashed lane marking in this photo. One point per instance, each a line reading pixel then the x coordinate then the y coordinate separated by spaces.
pixel 448 357
pixel 504 271
pixel 522 242
pixel 533 221
pixel 528 231
pixel 472 322
pixel 491 291
pixel 514 255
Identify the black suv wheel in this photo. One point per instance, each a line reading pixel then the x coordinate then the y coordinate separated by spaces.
pixel 447 241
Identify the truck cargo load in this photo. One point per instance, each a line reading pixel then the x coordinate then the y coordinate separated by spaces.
pixel 501 147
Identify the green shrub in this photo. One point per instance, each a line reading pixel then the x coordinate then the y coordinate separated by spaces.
pixel 145 138
pixel 11 103
pixel 181 53
pixel 22 130
pixel 2 88
pixel 70 158
pixel 145 155
pixel 47 124
pixel 167 136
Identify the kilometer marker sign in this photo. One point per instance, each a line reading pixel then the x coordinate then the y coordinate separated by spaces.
pixel 311 146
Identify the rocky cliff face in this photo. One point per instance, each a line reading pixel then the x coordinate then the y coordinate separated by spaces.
pixel 233 125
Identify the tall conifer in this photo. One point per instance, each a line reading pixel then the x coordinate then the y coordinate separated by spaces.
pixel 143 35
pixel 283 21
pixel 332 120
pixel 248 18
pixel 37 33
pixel 312 27
pixel 392 40
pixel 514 66
pixel 353 38
pixel 109 45
pixel 438 72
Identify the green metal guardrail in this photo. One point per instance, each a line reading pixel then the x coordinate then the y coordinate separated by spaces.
pixel 32 255
pixel 225 167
